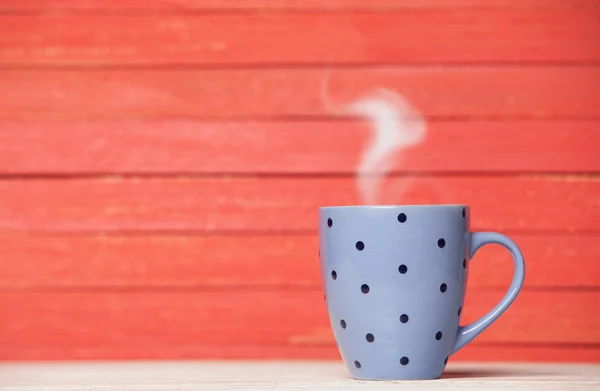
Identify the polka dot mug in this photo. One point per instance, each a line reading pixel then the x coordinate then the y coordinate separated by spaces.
pixel 395 279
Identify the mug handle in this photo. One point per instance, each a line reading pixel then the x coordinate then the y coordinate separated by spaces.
pixel 478 240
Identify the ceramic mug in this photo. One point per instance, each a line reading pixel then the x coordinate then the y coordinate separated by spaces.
pixel 395 279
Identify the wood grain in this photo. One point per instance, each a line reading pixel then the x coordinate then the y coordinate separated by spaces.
pixel 552 204
pixel 347 38
pixel 318 375
pixel 282 262
pixel 492 92
pixel 290 147
pixel 526 353
pixel 138 323
pixel 162 162
pixel 146 6
pixel 476 351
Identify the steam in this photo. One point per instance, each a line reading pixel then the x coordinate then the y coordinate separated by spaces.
pixel 395 124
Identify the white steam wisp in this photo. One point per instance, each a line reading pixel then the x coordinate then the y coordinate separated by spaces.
pixel 396 125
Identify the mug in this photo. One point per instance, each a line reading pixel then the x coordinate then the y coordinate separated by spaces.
pixel 394 280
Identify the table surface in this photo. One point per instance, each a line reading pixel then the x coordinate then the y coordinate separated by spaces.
pixel 287 375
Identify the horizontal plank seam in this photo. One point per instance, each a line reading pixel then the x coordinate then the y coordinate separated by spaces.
pixel 177 289
pixel 308 345
pixel 279 66
pixel 164 11
pixel 60 117
pixel 101 176
pixel 192 233
pixel 338 119
pixel 185 232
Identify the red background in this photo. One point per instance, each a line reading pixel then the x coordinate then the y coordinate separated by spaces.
pixel 161 165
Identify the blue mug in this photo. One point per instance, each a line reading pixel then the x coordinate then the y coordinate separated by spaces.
pixel 395 279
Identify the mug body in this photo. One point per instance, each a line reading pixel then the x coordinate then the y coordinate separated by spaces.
pixel 394 280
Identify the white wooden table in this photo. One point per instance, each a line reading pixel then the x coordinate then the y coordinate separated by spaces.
pixel 287 375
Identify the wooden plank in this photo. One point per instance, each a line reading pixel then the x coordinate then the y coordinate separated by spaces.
pixel 476 351
pixel 497 92
pixel 541 203
pixel 528 353
pixel 306 147
pixel 134 323
pixel 321 375
pixel 144 6
pixel 196 262
pixel 347 38
pixel 538 307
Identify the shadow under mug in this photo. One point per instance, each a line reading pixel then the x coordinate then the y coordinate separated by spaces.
pixel 394 280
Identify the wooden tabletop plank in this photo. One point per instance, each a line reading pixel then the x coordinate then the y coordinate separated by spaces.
pixel 166 146
pixel 271 375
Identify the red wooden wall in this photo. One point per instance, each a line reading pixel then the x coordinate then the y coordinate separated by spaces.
pixel 161 164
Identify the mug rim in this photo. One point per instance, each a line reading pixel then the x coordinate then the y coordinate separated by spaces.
pixel 394 206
